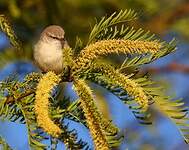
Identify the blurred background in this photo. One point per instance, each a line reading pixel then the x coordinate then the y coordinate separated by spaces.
pixel 166 18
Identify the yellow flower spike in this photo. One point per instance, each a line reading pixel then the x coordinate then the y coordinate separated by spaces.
pixel 105 47
pixel 129 85
pixel 91 114
pixel 6 27
pixel 45 85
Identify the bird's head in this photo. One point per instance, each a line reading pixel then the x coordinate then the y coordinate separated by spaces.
pixel 53 33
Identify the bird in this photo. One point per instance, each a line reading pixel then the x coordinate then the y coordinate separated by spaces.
pixel 48 51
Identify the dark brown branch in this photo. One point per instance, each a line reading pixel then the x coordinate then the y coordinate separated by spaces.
pixel 11 99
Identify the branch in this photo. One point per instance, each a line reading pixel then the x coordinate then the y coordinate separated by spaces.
pixel 11 99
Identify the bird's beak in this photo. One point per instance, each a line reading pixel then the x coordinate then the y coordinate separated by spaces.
pixel 63 41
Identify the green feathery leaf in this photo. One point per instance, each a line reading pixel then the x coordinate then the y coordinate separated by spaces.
pixel 137 61
pixel 34 134
pixel 70 139
pixel 125 33
pixel 78 45
pixel 176 112
pixel 114 19
pixel 141 116
pixel 4 145
pixel 173 109
pixel 54 143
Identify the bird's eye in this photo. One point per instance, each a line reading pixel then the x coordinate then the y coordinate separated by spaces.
pixel 54 37
pixel 58 38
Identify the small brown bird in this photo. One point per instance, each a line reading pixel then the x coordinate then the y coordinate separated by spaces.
pixel 48 53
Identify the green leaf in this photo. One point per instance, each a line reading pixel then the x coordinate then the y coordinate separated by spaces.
pixel 137 61
pixel 34 134
pixel 4 145
pixel 114 19
pixel 127 33
pixel 173 109
pixel 141 116
pixel 176 112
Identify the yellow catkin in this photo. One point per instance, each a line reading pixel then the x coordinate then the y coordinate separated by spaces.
pixel 6 27
pixel 105 47
pixel 91 114
pixel 133 89
pixel 44 87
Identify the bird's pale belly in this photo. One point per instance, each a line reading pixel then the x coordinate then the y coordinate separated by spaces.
pixel 49 57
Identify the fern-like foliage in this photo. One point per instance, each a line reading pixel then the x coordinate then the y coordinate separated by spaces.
pixel 22 111
pixel 141 116
pixel 137 61
pixel 124 32
pixel 173 109
pixel 114 19
pixel 35 137
pixel 37 101
pixel 176 112
pixel 4 145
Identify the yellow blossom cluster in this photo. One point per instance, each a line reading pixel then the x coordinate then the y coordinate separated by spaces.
pixel 133 89
pixel 105 47
pixel 91 114
pixel 46 84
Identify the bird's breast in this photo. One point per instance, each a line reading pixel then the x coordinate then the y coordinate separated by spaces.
pixel 48 56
